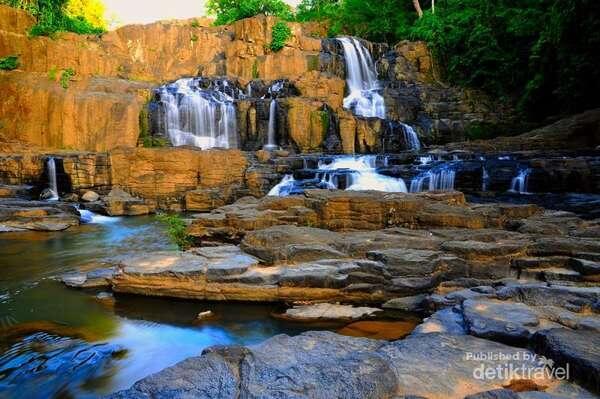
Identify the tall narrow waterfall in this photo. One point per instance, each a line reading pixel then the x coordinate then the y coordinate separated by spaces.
pixel 197 116
pixel 364 97
pixel 410 137
pixel 51 169
pixel 271 140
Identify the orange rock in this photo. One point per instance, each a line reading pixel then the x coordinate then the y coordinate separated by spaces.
pixel 379 329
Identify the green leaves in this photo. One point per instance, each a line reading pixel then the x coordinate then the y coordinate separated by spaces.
pixel 281 32
pixel 176 229
pixel 228 11
pixel 9 63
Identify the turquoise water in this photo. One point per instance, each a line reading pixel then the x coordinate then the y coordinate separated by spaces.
pixel 57 341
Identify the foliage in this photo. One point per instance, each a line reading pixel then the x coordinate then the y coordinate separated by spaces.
pixel 79 16
pixel 66 76
pixel 91 11
pixel 52 73
pixel 281 32
pixel 9 63
pixel 542 53
pixel 176 229
pixel 195 24
pixel 228 11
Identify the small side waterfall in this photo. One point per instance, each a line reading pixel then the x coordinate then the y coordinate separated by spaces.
pixel 364 97
pixel 51 169
pixel 519 182
pixel 485 179
pixel 201 117
pixel 284 187
pixel 271 140
pixel 437 180
pixel 410 137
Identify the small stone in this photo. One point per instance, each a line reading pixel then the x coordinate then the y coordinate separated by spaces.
pixel 207 314
pixel 90 196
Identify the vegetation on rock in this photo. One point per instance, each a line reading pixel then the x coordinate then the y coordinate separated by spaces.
pixel 281 32
pixel 9 63
pixel 79 16
pixel 66 76
pixel 176 229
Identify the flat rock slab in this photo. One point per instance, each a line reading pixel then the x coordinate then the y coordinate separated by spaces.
pixel 579 349
pixel 328 312
pixel 326 365
pixel 22 215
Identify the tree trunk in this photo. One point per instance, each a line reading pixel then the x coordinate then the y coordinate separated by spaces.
pixel 418 8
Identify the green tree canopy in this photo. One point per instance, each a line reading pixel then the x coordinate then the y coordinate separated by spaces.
pixel 228 11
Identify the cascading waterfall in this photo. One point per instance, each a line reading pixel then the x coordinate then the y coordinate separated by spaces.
pixel 441 179
pixel 519 182
pixel 410 137
pixel 51 169
pixel 364 98
pixel 360 173
pixel 271 140
pixel 364 174
pixel 284 187
pixel 200 117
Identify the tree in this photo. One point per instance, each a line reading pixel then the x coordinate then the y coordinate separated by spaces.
pixel 89 10
pixel 228 11
pixel 418 9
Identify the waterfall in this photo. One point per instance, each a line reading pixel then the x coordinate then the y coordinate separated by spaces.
pixel 51 168
pixel 485 179
pixel 364 175
pixel 284 187
pixel 271 140
pixel 437 180
pixel 410 137
pixel 201 117
pixel 519 182
pixel 364 97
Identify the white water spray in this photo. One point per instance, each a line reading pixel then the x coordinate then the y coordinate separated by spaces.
pixel 364 97
pixel 204 118
pixel 51 166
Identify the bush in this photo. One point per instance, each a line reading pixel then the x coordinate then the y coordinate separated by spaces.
pixel 66 76
pixel 176 229
pixel 228 11
pixel 281 32
pixel 79 16
pixel 9 63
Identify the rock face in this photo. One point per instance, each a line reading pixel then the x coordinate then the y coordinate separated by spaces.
pixel 343 210
pixel 20 215
pixel 93 114
pixel 159 176
pixel 325 365
pixel 580 131
pixel 113 74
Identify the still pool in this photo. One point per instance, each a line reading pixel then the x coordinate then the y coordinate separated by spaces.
pixel 61 342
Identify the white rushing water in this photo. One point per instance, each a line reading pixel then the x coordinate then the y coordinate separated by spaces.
pixel 410 137
pixel 364 97
pixel 51 166
pixel 364 174
pixel 271 140
pixel 284 187
pixel 519 182
pixel 204 118
pixel 433 180
pixel 89 217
